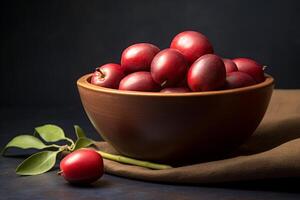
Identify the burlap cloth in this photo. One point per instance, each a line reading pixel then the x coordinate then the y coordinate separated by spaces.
pixel 272 152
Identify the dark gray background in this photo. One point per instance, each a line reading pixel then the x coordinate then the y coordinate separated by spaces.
pixel 47 45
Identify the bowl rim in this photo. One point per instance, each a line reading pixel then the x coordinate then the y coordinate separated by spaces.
pixel 84 83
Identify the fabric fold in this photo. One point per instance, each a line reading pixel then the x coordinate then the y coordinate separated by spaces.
pixel 272 152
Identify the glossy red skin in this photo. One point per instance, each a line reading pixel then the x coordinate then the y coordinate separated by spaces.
pixel 108 75
pixel 82 166
pixel 138 57
pixel 175 90
pixel 139 81
pixel 207 73
pixel 169 68
pixel 238 79
pixel 230 66
pixel 250 67
pixel 192 45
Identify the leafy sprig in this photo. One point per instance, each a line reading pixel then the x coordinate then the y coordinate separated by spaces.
pixel 44 161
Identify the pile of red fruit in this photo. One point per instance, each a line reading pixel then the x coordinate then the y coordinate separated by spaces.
pixel 188 65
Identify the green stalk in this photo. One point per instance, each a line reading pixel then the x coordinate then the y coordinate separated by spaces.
pixel 55 145
pixel 71 141
pixel 123 159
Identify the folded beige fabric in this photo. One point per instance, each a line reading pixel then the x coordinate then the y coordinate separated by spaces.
pixel 272 152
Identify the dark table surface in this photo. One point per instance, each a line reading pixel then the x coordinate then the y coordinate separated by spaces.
pixel 16 121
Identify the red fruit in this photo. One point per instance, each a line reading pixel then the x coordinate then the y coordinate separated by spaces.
pixel 139 81
pixel 168 67
pixel 207 73
pixel 82 166
pixel 183 83
pixel 175 90
pixel 250 67
pixel 192 45
pixel 138 57
pixel 108 75
pixel 238 79
pixel 230 66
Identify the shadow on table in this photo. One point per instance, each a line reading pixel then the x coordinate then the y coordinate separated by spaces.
pixel 101 183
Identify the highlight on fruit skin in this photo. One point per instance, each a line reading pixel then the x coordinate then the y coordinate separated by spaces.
pixel 168 68
pixel 207 73
pixel 188 63
pixel 139 81
pixel 250 67
pixel 176 90
pixel 138 57
pixel 192 45
pixel 83 166
pixel 108 75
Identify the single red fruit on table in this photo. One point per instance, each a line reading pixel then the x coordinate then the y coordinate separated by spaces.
pixel 108 75
pixel 138 57
pixel 250 67
pixel 82 166
pixel 230 66
pixel 238 79
pixel 168 68
pixel 175 90
pixel 139 81
pixel 192 45
pixel 207 73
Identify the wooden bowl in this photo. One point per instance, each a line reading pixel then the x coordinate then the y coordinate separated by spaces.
pixel 175 127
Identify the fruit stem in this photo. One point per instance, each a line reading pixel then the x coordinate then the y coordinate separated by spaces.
pixel 102 75
pixel 123 159
pixel 265 67
pixel 71 141
pixel 164 83
pixel 55 145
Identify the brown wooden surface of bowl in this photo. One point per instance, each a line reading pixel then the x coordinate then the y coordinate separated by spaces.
pixel 175 127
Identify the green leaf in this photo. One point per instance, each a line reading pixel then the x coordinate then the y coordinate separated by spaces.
pixel 82 143
pixel 25 142
pixel 38 163
pixel 79 132
pixel 50 133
